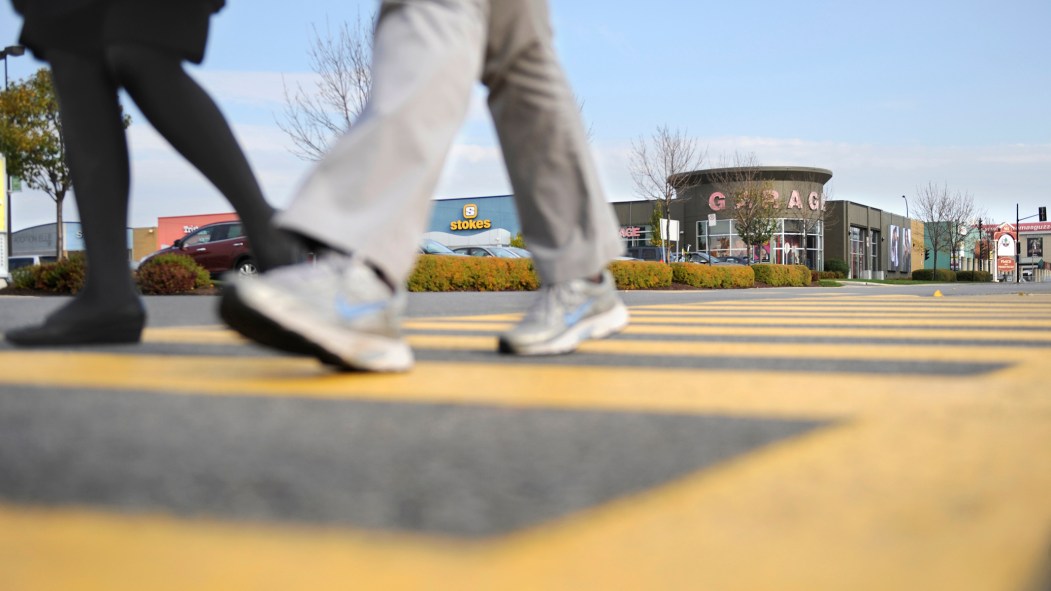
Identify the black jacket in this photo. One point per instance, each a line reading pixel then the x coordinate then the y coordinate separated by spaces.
pixel 60 7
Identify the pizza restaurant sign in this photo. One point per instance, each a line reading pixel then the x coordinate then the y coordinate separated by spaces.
pixel 1006 248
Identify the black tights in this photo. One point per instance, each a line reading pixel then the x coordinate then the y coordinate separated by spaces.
pixel 97 153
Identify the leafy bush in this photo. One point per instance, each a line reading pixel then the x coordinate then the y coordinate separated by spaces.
pixel 838 266
pixel 713 276
pixel 63 276
pixel 816 276
pixel 944 275
pixel 974 276
pixel 782 275
pixel 454 273
pixel 169 274
pixel 641 274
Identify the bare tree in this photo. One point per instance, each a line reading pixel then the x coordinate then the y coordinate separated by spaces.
pixel 812 216
pixel 342 63
pixel 755 205
pixel 657 164
pixel 944 214
pixel 964 217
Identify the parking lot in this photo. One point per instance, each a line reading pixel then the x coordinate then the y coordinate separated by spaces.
pixel 854 438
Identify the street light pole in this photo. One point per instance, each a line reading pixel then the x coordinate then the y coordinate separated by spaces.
pixel 906 206
pixel 13 51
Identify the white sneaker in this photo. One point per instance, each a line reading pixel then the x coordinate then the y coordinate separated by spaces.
pixel 566 314
pixel 337 309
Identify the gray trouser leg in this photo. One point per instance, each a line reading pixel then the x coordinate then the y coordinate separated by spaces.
pixel 371 194
pixel 566 221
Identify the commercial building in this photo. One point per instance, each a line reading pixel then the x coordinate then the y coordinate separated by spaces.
pixel 474 221
pixel 702 214
pixel 874 243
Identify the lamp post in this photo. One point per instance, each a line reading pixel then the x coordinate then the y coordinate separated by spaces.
pixel 13 51
pixel 906 206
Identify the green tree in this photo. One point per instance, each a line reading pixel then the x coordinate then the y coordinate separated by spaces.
pixel 656 239
pixel 518 241
pixel 31 140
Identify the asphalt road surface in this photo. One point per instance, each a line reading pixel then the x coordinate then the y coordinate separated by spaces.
pixel 865 437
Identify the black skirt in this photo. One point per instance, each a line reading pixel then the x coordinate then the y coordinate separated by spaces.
pixel 89 26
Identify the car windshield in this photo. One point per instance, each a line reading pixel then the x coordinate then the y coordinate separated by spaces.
pixel 434 247
pixel 503 253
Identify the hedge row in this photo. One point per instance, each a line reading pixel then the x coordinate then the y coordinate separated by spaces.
pixel 174 274
pixel 816 276
pixel 454 273
pixel 944 275
pixel 974 276
pixel 641 274
pixel 713 276
pixel 166 274
pixel 782 275
pixel 64 276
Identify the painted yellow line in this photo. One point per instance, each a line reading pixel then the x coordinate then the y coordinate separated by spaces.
pixel 701 330
pixel 857 320
pixel 896 312
pixel 839 352
pixel 202 335
pixel 755 391
pixel 903 501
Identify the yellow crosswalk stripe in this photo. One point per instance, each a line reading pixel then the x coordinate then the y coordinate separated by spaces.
pixel 920 482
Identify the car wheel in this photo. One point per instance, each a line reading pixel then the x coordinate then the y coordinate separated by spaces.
pixel 247 267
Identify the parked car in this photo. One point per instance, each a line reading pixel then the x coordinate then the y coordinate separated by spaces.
pixel 704 258
pixel 218 247
pixel 428 246
pixel 28 260
pixel 738 260
pixel 647 253
pixel 525 254
pixel 486 251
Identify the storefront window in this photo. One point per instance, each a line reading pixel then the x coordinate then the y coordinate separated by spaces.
pixel 857 253
pixel 789 245
pixel 874 249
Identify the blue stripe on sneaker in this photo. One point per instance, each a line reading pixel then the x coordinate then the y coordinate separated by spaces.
pixel 571 318
pixel 351 311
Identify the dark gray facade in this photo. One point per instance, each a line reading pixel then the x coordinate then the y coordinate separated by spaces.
pixel 874 243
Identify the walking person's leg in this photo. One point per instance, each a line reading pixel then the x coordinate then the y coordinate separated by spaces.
pixel 108 308
pixel 566 221
pixel 369 199
pixel 181 111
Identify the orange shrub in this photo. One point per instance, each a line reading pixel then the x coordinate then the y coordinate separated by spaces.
pixel 713 276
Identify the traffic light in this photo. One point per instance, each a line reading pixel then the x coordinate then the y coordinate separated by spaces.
pixel 1043 214
pixel 926 254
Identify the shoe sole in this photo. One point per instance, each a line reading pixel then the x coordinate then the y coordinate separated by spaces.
pixel 262 330
pixel 260 321
pixel 599 326
pixel 124 331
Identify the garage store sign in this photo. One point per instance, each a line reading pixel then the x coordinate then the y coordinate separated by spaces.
pixel 470 220
pixel 717 200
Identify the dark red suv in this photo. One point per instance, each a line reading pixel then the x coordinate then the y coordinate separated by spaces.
pixel 218 247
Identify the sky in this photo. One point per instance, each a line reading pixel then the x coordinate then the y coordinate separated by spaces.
pixel 889 96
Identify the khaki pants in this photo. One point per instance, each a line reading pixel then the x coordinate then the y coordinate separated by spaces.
pixel 371 194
